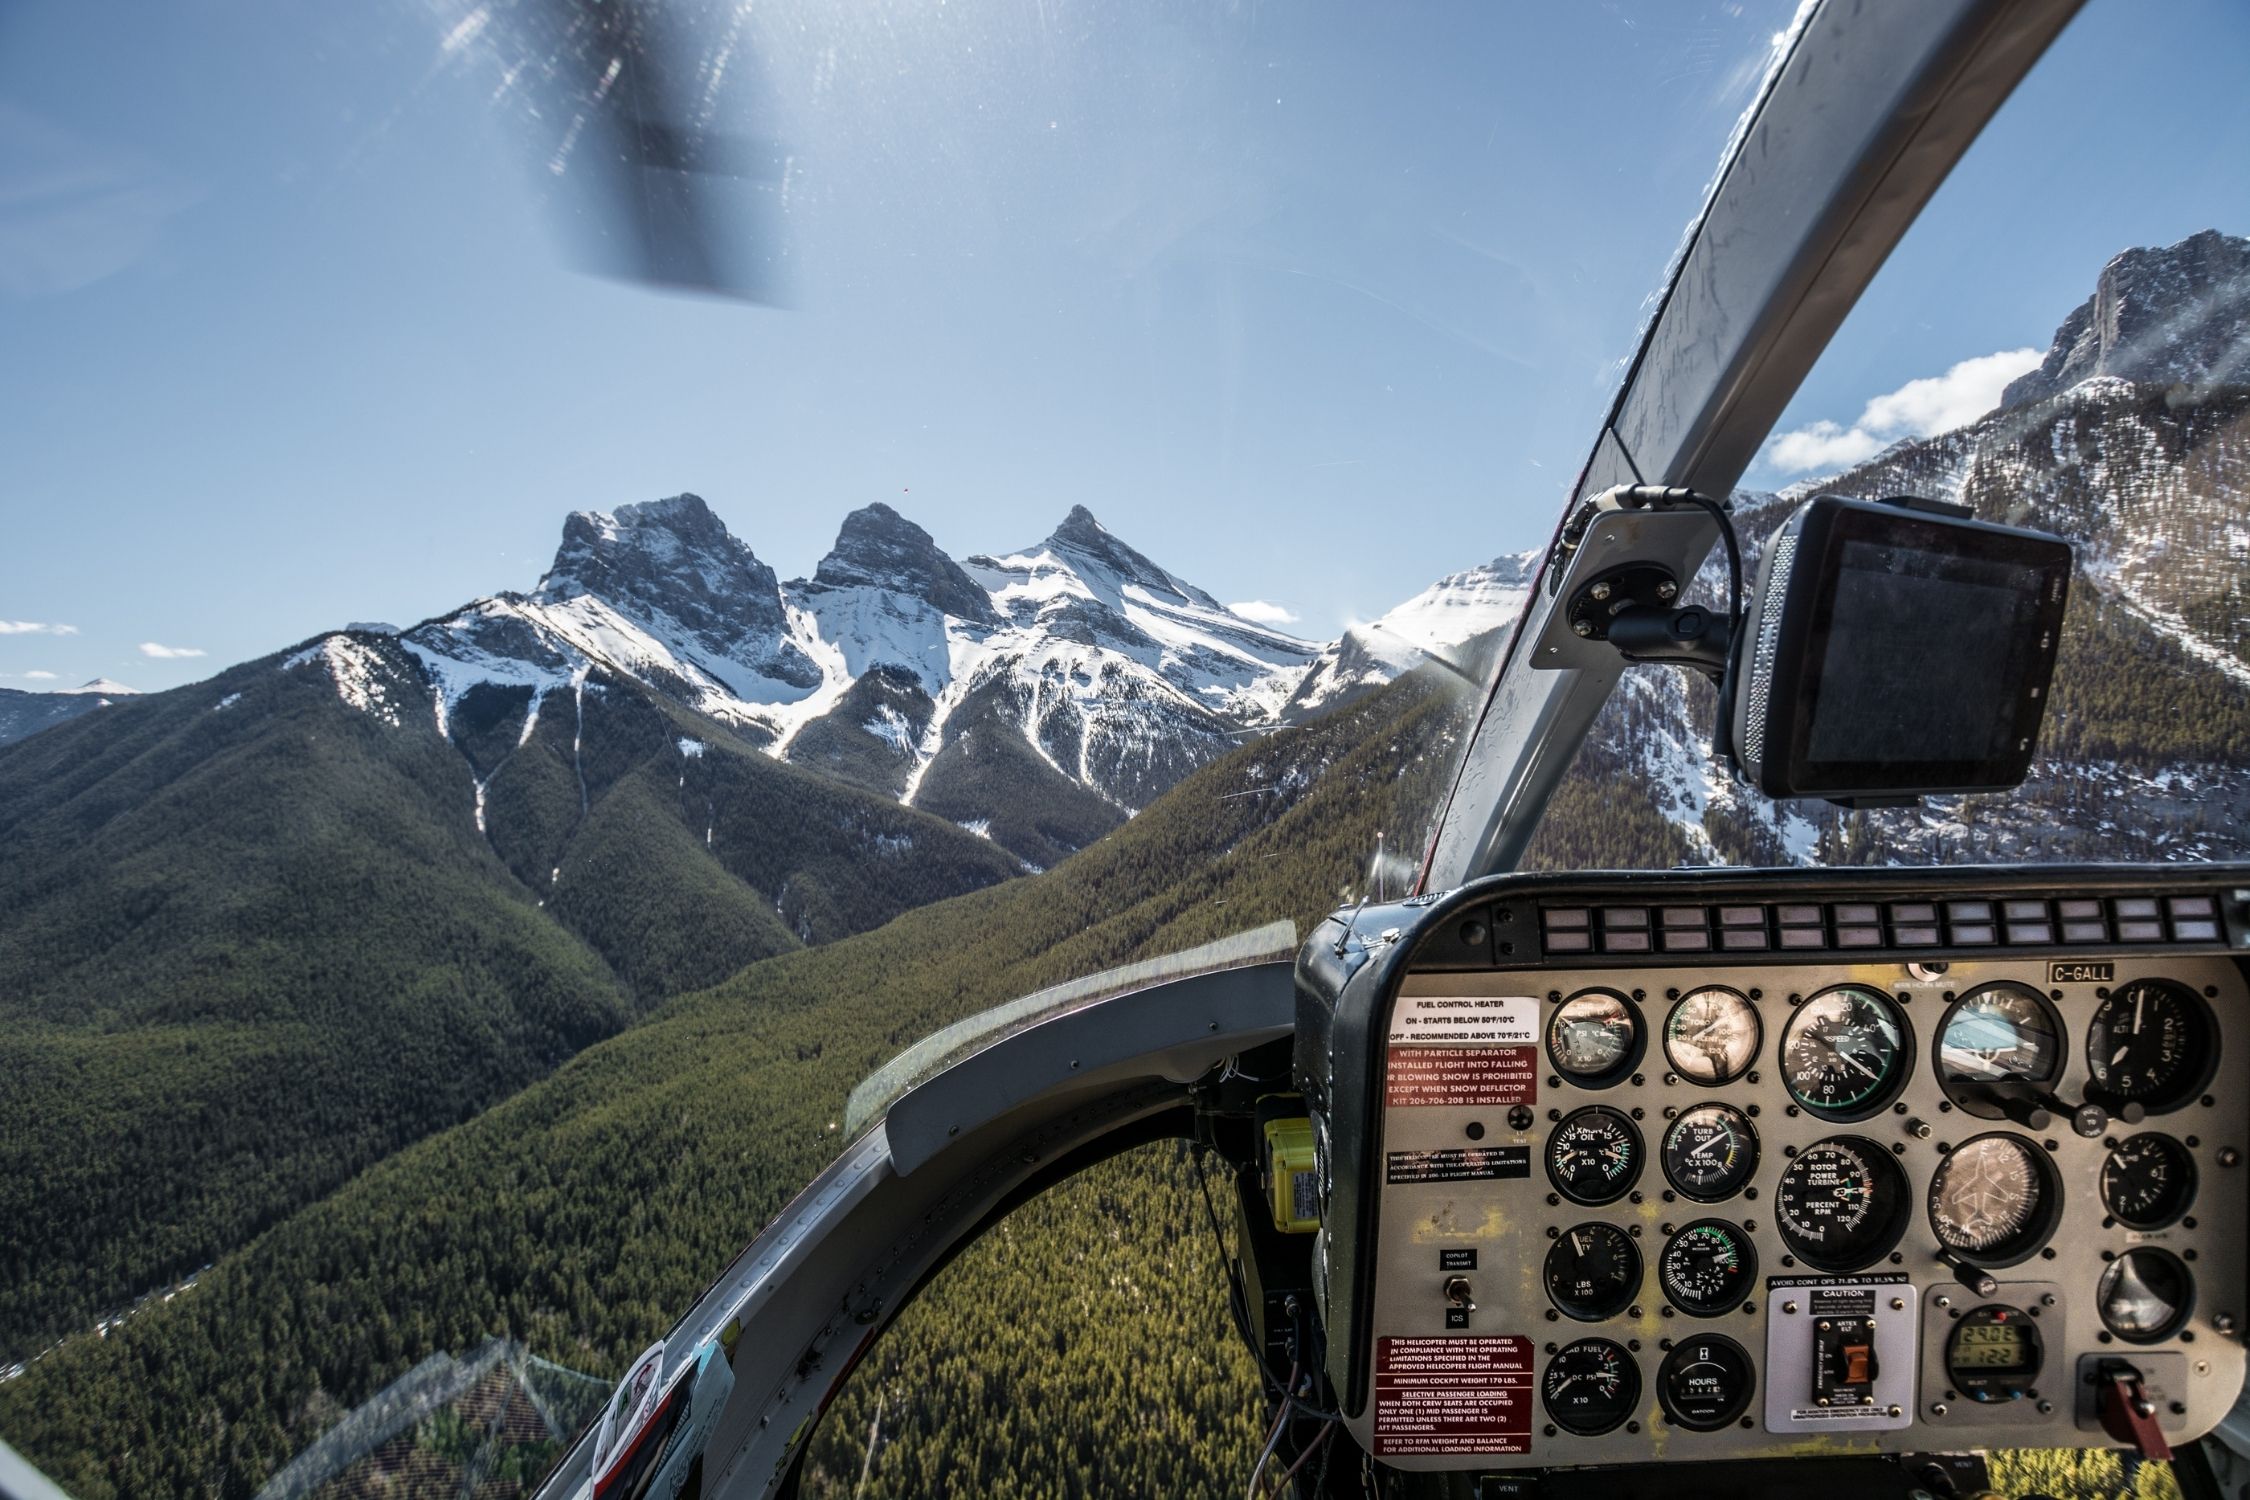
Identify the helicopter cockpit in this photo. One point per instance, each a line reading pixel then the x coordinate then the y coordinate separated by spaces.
pixel 1869 1125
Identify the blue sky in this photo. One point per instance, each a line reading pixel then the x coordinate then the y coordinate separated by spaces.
pixel 1311 303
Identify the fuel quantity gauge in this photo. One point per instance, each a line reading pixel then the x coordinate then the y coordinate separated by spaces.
pixel 1591 1386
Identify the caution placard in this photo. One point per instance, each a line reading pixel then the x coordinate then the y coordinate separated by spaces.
pixel 1465 1021
pixel 1461 1075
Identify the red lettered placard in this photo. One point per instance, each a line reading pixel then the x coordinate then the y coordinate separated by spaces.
pixel 1453 1395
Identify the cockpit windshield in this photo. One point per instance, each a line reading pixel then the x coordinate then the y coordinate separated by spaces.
pixel 590 586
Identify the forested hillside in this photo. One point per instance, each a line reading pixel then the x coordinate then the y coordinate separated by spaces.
pixel 261 932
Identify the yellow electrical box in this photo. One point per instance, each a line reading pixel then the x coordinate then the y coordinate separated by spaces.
pixel 1292 1186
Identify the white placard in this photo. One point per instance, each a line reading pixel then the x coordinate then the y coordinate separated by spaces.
pixel 1465 1021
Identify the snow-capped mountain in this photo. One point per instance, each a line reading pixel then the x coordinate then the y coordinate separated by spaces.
pixel 1039 696
pixel 1452 624
pixel 23 713
pixel 2132 440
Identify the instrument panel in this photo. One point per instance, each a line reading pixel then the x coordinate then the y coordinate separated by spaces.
pixel 1676 1209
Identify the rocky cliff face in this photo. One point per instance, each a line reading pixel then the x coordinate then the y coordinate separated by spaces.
pixel 2172 315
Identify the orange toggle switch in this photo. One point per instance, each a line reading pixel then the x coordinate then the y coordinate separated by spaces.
pixel 1859 1364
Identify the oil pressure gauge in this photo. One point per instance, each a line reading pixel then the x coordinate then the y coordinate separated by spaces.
pixel 1594 1155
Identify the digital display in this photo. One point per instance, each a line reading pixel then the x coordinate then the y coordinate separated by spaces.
pixel 1933 647
pixel 1990 1346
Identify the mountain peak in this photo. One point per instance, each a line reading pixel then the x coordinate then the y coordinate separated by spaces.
pixel 105 687
pixel 674 560
pixel 878 548
pixel 1081 536
pixel 2163 315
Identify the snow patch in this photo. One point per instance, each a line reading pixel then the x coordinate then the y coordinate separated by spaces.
pixel 229 701
pixel 692 749
pixel 360 675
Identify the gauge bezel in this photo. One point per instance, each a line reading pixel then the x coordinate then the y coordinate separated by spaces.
pixel 1634 1051
pixel 1747 1288
pixel 1885 1239
pixel 2046 1214
pixel 1679 1355
pixel 1699 1195
pixel 1985 1109
pixel 1757 1045
pixel 2180 1316
pixel 2193 1082
pixel 1901 1073
pixel 2005 1386
pixel 1625 1185
pixel 2186 1158
pixel 1632 1284
pixel 1626 1407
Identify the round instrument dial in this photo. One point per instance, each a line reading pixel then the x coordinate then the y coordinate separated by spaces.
pixel 2151 1043
pixel 1708 1268
pixel 1710 1152
pixel 1712 1036
pixel 1844 1052
pixel 1994 1038
pixel 1593 1271
pixel 1591 1386
pixel 1705 1383
pixel 1594 1038
pixel 1842 1203
pixel 2145 1295
pixel 1995 1198
pixel 1594 1155
pixel 2148 1181
pixel 1994 1354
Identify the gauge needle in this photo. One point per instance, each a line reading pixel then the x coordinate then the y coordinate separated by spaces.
pixel 1708 1146
pixel 1848 1060
pixel 1577 1242
pixel 2140 998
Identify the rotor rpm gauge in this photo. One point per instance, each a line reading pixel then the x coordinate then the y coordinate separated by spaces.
pixel 2148 1182
pixel 1594 1155
pixel 1995 1198
pixel 1591 1386
pixel 2151 1043
pixel 1705 1383
pixel 1710 1152
pixel 1594 1038
pixel 1712 1036
pixel 1842 1204
pixel 1994 1038
pixel 1844 1052
pixel 2145 1295
pixel 1593 1271
pixel 1708 1268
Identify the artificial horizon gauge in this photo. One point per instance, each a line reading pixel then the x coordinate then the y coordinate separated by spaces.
pixel 2145 1295
pixel 1591 1386
pixel 1706 1382
pixel 1712 1035
pixel 1844 1052
pixel 1998 1037
pixel 1710 1152
pixel 2148 1181
pixel 2151 1043
pixel 1594 1155
pixel 1594 1038
pixel 1708 1268
pixel 1841 1204
pixel 1995 1198
pixel 1593 1271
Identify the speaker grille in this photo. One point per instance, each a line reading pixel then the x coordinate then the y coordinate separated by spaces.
pixel 1761 661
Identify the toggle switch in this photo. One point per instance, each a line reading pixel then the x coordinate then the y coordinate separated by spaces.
pixel 2127 1413
pixel 1457 1293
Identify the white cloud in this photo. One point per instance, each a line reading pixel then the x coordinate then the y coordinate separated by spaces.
pixel 169 653
pixel 35 627
pixel 1263 613
pixel 1919 408
pixel 36 675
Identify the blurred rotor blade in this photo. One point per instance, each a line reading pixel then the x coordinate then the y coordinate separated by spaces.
pixel 643 120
